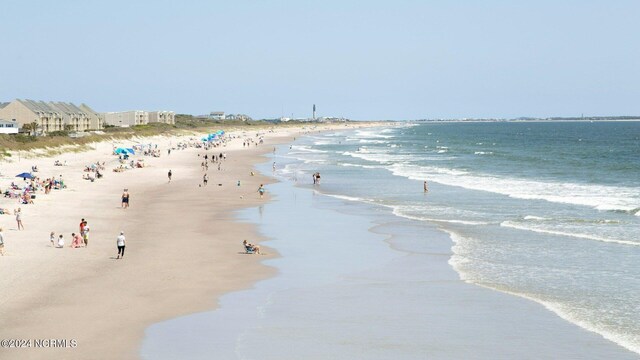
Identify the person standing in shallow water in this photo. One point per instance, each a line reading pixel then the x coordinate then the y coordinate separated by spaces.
pixel 426 190
pixel 169 175
pixel 261 191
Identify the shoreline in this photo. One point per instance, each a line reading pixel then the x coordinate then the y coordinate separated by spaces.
pixel 463 320
pixel 323 313
pixel 182 249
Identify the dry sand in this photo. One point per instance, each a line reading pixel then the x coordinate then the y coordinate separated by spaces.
pixel 184 248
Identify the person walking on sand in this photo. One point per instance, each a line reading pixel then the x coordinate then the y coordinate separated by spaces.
pixel 426 190
pixel 52 238
pixel 205 179
pixel 1 242
pixel 261 190
pixel 169 175
pixel 120 242
pixel 125 199
pixel 18 214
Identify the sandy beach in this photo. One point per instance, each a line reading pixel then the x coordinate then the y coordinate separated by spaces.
pixel 183 251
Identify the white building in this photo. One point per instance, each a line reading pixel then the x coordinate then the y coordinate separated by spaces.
pixel 126 118
pixel 216 115
pixel 8 127
pixel 241 117
pixel 166 117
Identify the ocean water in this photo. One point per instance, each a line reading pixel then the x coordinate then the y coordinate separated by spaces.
pixel 549 211
pixel 371 267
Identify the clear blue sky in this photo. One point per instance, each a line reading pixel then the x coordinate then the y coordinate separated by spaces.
pixel 358 59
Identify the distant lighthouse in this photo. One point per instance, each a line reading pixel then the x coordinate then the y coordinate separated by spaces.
pixel 314 112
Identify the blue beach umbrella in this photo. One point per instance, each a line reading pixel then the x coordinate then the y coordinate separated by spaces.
pixel 25 175
pixel 130 151
pixel 119 151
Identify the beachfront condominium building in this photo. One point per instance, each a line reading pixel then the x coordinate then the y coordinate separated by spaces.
pixel 28 112
pixel 51 116
pixel 73 118
pixel 165 117
pixel 96 121
pixel 126 118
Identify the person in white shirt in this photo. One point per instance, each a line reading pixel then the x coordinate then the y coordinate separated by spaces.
pixel 60 241
pixel 120 241
pixel 85 234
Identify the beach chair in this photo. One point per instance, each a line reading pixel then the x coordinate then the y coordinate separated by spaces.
pixel 249 250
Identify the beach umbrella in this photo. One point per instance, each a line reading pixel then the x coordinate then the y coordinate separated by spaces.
pixel 120 151
pixel 25 175
pixel 130 150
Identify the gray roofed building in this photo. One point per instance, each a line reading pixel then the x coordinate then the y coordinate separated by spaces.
pixel 52 116
pixel 96 120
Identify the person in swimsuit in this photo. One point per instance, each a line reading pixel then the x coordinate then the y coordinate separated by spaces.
pixel 125 199
pixel 18 214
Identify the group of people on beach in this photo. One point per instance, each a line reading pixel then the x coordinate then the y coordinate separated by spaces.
pixel 81 237
pixel 27 193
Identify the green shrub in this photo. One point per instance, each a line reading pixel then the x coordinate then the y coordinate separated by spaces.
pixel 21 138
